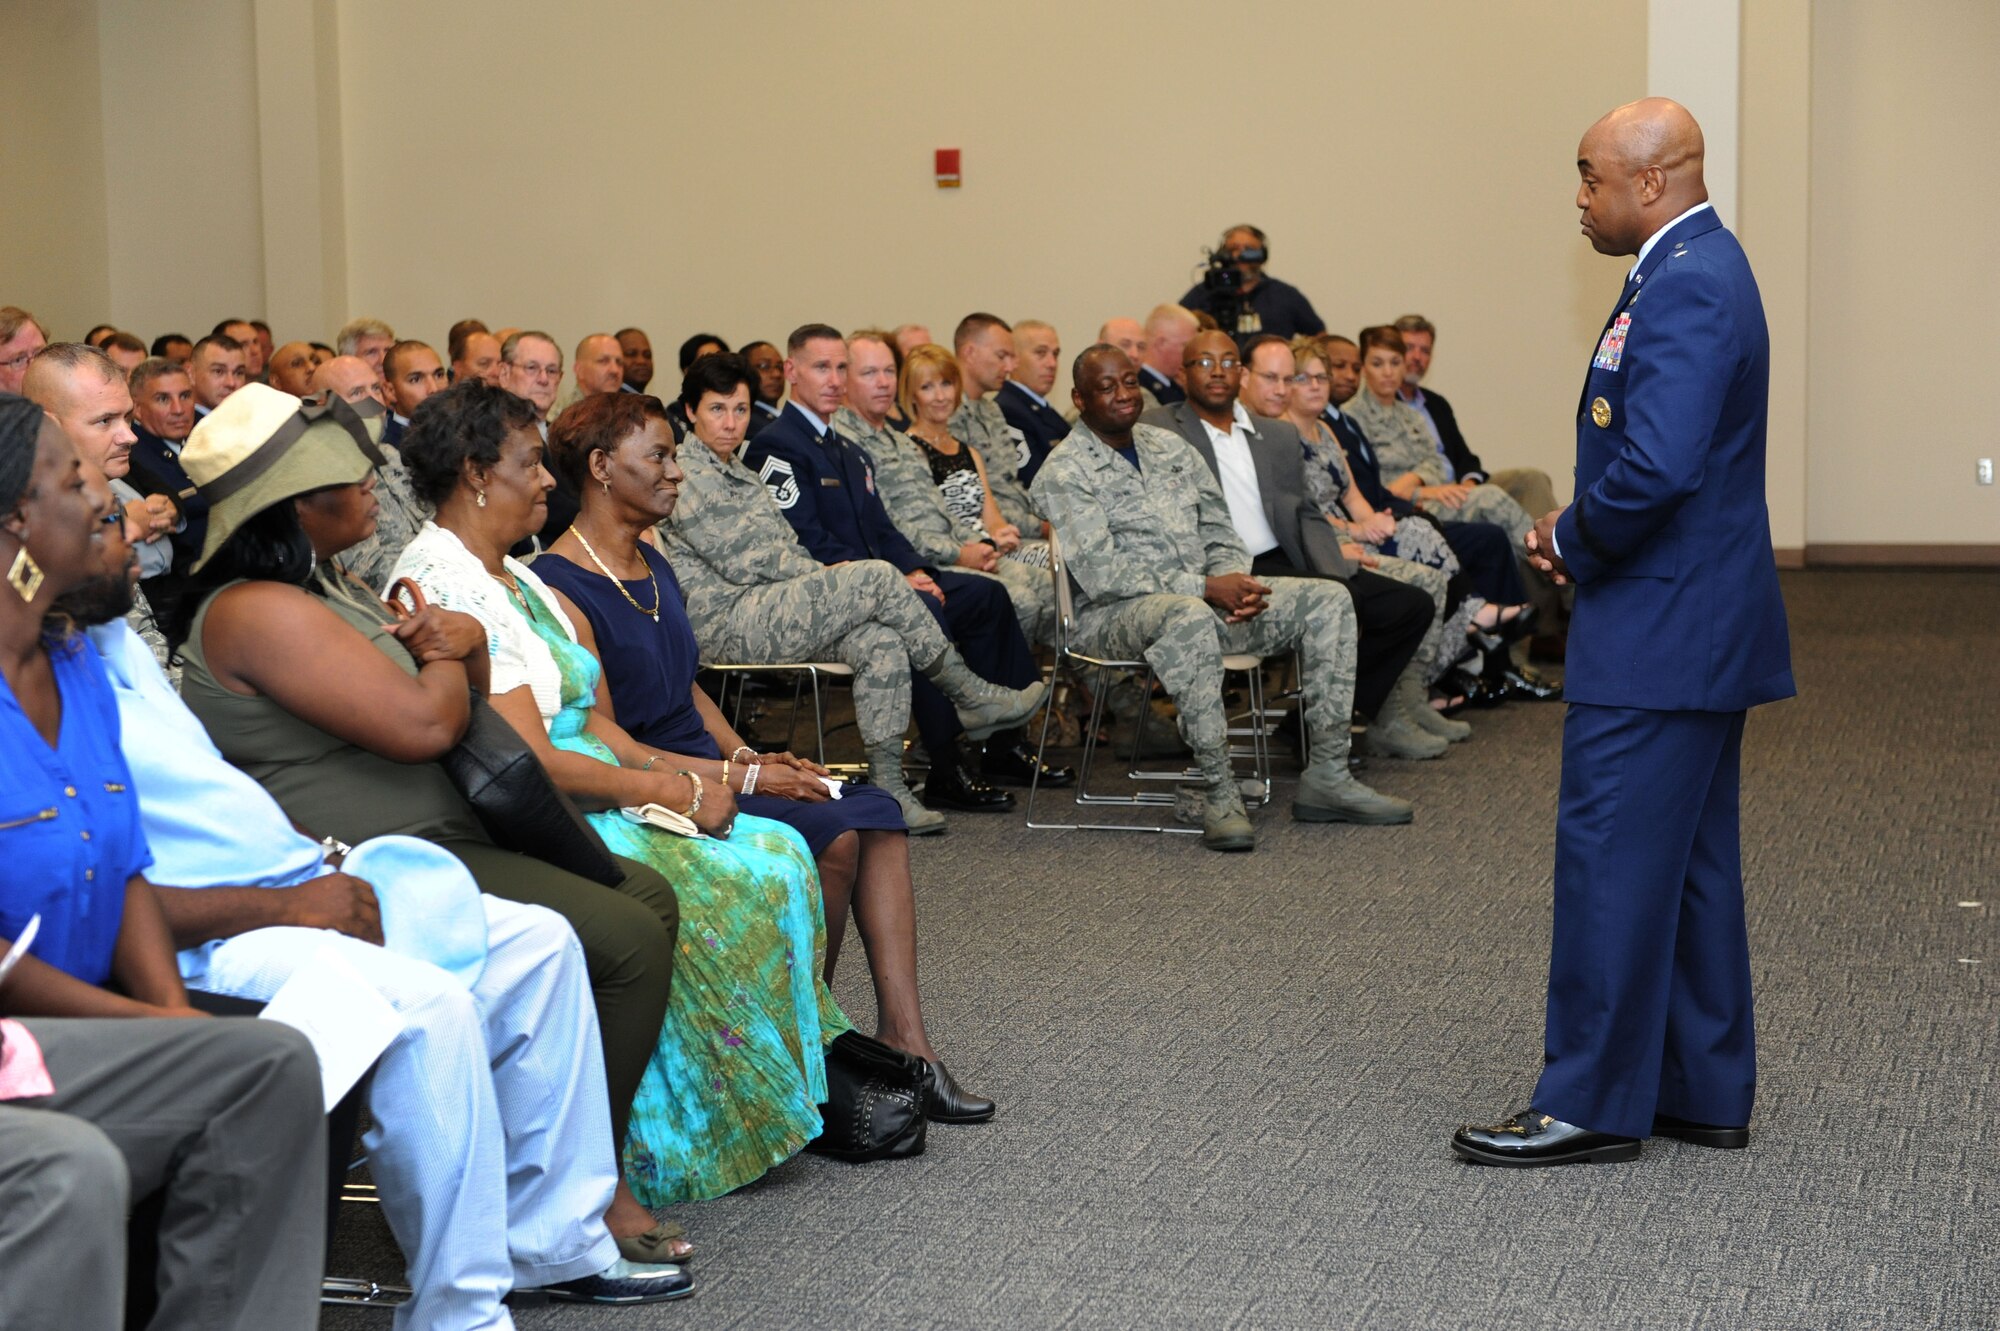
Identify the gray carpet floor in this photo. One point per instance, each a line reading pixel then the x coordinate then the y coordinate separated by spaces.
pixel 1227 1081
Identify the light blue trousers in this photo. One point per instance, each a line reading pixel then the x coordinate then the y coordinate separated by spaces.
pixel 491 1145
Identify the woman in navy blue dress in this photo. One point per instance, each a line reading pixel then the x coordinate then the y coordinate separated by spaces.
pixel 618 452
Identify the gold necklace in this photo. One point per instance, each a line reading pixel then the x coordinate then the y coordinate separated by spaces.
pixel 654 613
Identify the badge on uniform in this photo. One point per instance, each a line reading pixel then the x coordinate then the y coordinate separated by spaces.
pixel 1600 413
pixel 777 476
pixel 1611 350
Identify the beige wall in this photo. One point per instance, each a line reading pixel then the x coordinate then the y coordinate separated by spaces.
pixel 1906 111
pixel 745 170
pixel 52 261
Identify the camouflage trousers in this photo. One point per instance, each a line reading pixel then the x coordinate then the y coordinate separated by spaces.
pixel 1444 641
pixel 862 615
pixel 1486 503
pixel 1184 640
pixel 1033 596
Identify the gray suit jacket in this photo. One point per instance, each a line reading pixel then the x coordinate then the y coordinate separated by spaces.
pixel 1304 534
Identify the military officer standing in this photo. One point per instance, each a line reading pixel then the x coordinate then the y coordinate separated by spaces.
pixel 1679 629
pixel 1161 574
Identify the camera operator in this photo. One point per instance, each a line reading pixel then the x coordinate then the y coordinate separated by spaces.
pixel 1235 291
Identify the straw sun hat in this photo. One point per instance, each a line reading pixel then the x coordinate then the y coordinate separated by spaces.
pixel 261 447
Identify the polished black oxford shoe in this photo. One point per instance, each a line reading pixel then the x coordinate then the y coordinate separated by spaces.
pixel 1522 686
pixel 1531 1139
pixel 1014 764
pixel 950 786
pixel 1700 1134
pixel 945 1101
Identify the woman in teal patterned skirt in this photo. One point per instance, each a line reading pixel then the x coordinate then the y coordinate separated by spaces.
pixel 734 1086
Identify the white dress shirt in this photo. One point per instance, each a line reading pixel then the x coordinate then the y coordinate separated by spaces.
pixel 1239 483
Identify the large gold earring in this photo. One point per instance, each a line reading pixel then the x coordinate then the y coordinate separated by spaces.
pixel 24 575
pixel 479 498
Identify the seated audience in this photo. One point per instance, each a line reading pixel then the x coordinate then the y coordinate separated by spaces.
pixel 411 372
pixel 600 368
pixel 1411 548
pixel 1168 329
pixel 637 349
pixel 125 351
pixel 255 899
pixel 173 347
pixel 531 365
pixel 265 342
pixel 163 414
pixel 476 356
pixel 701 344
pixel 21 338
pixel 243 1163
pixel 1259 302
pixel 292 367
pixel 308 683
pixel 1411 465
pixel 217 368
pixel 1129 336
pixel 984 346
pixel 350 379
pixel 911 496
pixel 367 339
pixel 98 335
pixel 244 334
pixel 84 394
pixel 454 340
pixel 322 353
pixel 767 384
pixel 1529 486
pixel 620 453
pixel 825 488
pixel 1024 398
pixel 1257 461
pixel 757 595
pixel 740 1067
pixel 907 338
pixel 1162 575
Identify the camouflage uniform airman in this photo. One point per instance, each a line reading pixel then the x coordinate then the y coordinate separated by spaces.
pixel 1140 544
pixel 918 510
pixel 1403 444
pixel 983 425
pixel 755 595
pixel 401 517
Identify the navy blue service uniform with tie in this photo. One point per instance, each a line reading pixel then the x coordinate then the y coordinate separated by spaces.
pixel 1040 425
pixel 1679 629
pixel 825 487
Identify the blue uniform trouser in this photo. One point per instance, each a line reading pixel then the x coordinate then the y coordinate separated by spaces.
pixel 1649 972
pixel 979 619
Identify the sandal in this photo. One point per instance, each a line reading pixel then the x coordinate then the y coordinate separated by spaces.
pixel 664 1242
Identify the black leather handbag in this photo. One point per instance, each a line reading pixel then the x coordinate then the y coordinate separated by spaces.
pixel 874 1106
pixel 509 789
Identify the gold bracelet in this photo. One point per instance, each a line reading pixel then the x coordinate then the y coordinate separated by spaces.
pixel 695 781
pixel 725 774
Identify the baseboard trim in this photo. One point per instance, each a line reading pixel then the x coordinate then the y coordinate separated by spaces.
pixel 1790 556
pixel 1895 556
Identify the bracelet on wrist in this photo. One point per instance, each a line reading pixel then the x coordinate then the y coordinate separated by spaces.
pixel 647 766
pixel 750 779
pixel 739 752
pixel 725 775
pixel 694 780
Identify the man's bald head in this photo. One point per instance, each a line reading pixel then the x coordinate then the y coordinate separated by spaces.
pixel 291 368
pixel 1125 334
pixel 600 364
pixel 1641 167
pixel 349 378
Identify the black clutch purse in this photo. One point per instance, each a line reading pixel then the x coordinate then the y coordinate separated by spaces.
pixel 511 792
pixel 874 1106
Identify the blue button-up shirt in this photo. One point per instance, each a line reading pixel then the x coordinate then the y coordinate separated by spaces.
pixel 70 837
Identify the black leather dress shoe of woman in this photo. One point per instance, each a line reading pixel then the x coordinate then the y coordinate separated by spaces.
pixel 1700 1134
pixel 945 1101
pixel 1524 1141
pixel 1014 764
pixel 950 786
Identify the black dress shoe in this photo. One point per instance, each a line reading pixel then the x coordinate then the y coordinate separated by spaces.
pixel 950 786
pixel 945 1101
pixel 1014 764
pixel 1481 690
pixel 1700 1134
pixel 1530 688
pixel 1524 1141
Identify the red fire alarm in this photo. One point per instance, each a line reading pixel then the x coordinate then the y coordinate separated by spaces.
pixel 947 168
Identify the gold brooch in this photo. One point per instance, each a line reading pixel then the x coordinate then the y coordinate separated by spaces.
pixel 1600 412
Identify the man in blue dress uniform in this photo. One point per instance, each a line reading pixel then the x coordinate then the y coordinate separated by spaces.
pixel 1679 629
